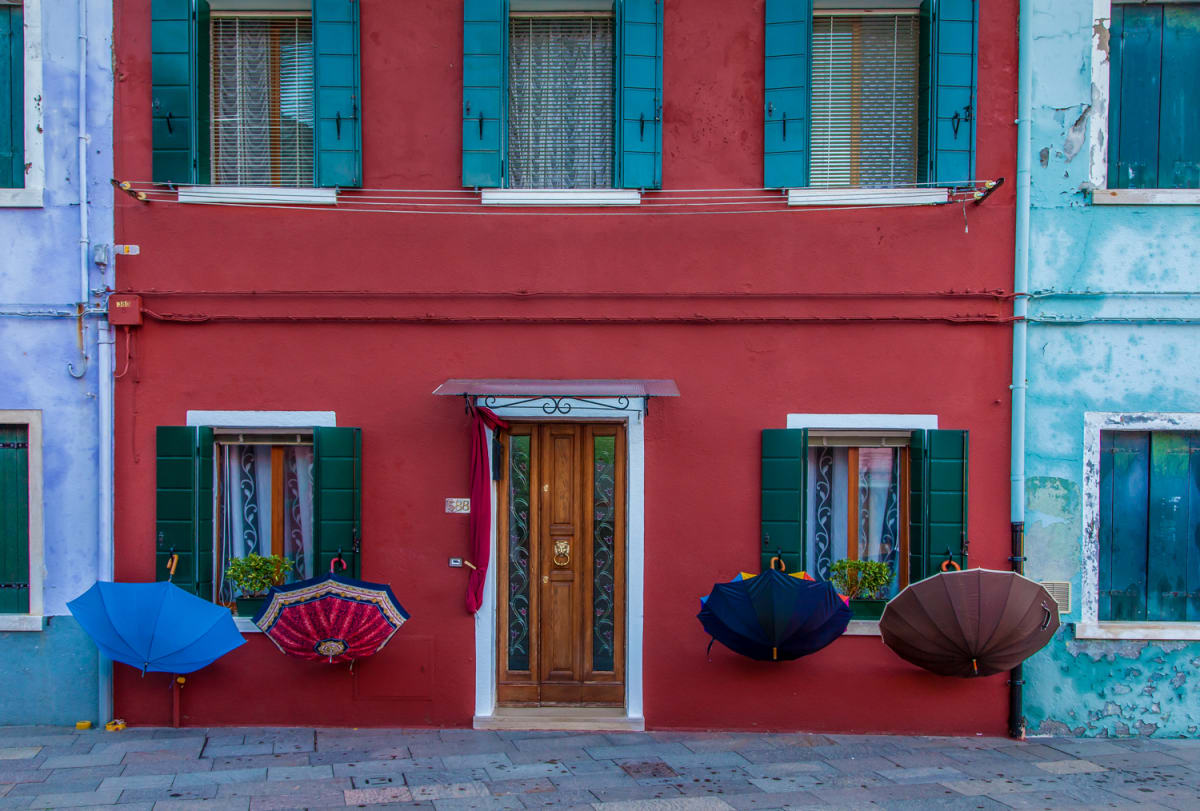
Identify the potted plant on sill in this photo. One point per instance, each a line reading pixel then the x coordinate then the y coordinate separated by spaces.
pixel 253 576
pixel 864 582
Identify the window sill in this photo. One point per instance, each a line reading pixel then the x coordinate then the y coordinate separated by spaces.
pixel 22 622
pixel 1181 631
pixel 258 194
pixel 562 197
pixel 21 198
pixel 1146 197
pixel 867 197
pixel 862 628
pixel 246 625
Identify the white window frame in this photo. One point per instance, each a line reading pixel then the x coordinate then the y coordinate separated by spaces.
pixel 865 423
pixel 281 420
pixel 1089 625
pixel 34 620
pixel 32 195
pixel 1098 132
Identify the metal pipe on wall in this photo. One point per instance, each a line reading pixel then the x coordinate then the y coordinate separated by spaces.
pixel 1020 312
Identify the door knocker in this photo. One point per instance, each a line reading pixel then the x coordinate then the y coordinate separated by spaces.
pixel 562 553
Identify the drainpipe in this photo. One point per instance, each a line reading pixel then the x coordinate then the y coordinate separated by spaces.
pixel 104 352
pixel 1016 723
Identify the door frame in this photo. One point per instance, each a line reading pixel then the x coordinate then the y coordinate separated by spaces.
pixel 628 412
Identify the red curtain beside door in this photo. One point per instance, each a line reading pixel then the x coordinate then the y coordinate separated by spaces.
pixel 479 522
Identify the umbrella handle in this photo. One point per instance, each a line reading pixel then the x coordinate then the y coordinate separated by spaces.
pixel 172 563
pixel 336 561
pixel 1049 616
pixel 949 564
pixel 778 557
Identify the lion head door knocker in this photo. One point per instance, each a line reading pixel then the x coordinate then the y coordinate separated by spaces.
pixel 562 553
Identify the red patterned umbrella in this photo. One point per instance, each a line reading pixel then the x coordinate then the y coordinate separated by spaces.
pixel 332 618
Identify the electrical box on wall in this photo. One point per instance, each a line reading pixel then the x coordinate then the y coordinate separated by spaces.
pixel 125 310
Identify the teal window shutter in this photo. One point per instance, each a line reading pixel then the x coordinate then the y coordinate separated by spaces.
pixel 179 87
pixel 947 108
pixel 784 497
pixel 788 72
pixel 12 98
pixel 485 41
pixel 14 519
pixel 1124 510
pixel 184 506
pixel 337 134
pixel 639 102
pixel 337 498
pixel 938 506
pixel 1154 99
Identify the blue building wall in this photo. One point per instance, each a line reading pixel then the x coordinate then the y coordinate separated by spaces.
pixel 50 676
pixel 1125 351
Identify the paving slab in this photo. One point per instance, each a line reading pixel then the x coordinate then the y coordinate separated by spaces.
pixel 76 799
pixel 18 752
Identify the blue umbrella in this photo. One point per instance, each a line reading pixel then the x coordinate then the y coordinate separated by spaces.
pixel 773 616
pixel 155 627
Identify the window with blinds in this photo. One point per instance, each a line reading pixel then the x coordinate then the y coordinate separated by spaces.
pixel 864 99
pixel 262 101
pixel 560 113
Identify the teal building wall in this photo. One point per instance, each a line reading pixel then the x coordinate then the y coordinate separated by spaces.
pixel 1113 329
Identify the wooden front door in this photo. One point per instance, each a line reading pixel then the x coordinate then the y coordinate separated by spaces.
pixel 561 565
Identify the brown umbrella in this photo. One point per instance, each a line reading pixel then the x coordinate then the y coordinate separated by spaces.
pixel 972 623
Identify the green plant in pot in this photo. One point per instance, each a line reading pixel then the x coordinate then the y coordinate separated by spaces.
pixel 253 576
pixel 865 582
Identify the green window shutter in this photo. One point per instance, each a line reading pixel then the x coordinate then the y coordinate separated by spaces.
pixel 337 136
pixel 177 86
pixel 1124 503
pixel 485 41
pixel 1154 105
pixel 12 98
pixel 788 72
pixel 947 108
pixel 337 497
pixel 14 519
pixel 784 496
pixel 184 506
pixel 1169 541
pixel 938 508
pixel 639 93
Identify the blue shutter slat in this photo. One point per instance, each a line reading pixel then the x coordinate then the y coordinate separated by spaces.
pixel 485 35
pixel 639 102
pixel 948 105
pixel 1179 128
pixel 788 79
pixel 338 96
pixel 174 101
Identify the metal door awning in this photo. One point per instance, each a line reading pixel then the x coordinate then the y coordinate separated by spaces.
pixel 557 396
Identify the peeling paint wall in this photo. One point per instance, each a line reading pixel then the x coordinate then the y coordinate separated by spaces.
pixel 1142 260
pixel 49 676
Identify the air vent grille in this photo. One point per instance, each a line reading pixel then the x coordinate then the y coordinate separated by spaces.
pixel 1061 592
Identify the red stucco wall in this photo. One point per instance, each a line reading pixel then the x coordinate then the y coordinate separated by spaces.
pixel 740 375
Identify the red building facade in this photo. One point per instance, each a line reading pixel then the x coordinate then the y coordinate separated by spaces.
pixel 864 323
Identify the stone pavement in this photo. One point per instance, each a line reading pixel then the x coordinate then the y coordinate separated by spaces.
pixel 449 770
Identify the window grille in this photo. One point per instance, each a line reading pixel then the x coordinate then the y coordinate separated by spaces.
pixel 864 100
pixel 560 120
pixel 262 101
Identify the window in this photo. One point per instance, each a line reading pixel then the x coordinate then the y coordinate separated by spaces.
pixel 560 101
pixel 562 94
pixel 21 169
pixel 264 502
pixel 226 493
pixel 864 99
pixel 1149 562
pixel 897 496
pixel 262 100
pixel 869 94
pixel 256 93
pixel 21 527
pixel 857 502
pixel 1154 98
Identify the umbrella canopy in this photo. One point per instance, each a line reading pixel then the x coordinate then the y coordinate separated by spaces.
pixel 774 616
pixel 155 627
pixel 331 618
pixel 971 623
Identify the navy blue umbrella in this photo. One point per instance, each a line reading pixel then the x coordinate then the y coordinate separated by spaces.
pixel 774 616
pixel 155 627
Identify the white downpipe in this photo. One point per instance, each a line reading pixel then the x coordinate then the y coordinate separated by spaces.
pixel 1021 258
